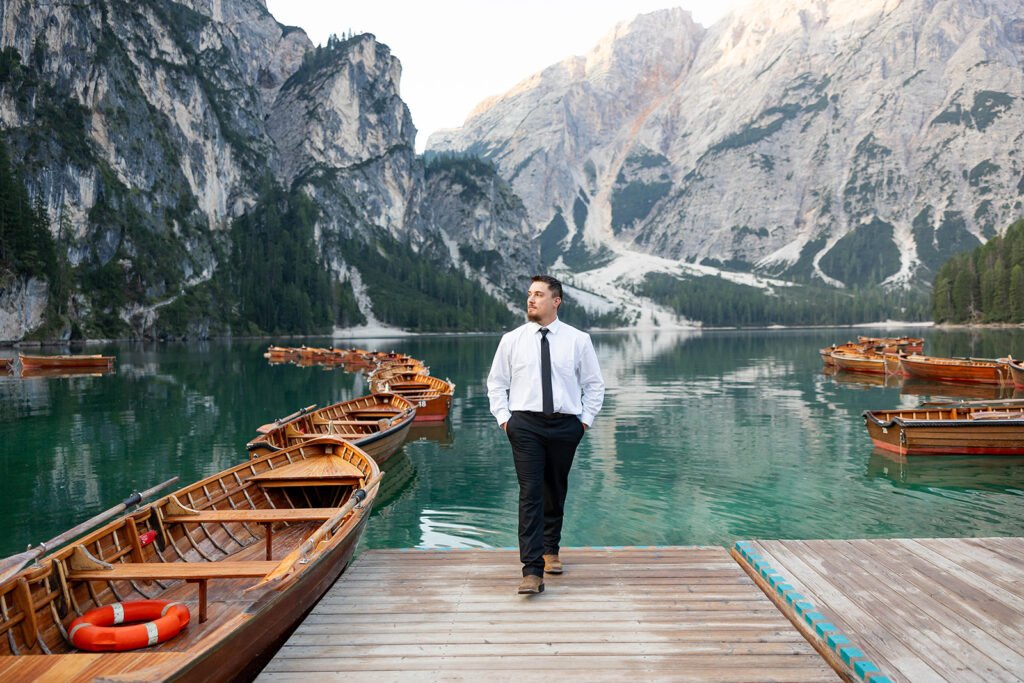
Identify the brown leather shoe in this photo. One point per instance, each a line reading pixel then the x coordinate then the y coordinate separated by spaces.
pixel 552 565
pixel 531 584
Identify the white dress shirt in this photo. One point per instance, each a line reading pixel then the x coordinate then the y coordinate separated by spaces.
pixel 514 382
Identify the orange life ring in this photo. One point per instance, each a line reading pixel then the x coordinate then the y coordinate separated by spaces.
pixel 98 629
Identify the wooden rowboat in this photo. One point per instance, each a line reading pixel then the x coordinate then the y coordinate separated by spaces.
pixel 431 396
pixel 414 367
pixel 907 344
pixel 1016 372
pixel 281 353
pixel 93 361
pixel 262 541
pixel 381 358
pixel 955 369
pixel 949 429
pixel 826 353
pixel 859 361
pixel 377 424
pixel 312 353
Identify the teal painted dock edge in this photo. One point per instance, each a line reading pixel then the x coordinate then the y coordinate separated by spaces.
pixel 825 631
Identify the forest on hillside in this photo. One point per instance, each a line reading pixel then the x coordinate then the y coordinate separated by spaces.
pixel 985 285
pixel 718 302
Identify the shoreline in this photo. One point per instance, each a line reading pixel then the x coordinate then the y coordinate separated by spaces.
pixel 396 333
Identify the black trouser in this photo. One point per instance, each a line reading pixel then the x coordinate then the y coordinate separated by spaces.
pixel 543 449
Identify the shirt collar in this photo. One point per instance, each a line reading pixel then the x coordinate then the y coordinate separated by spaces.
pixel 552 328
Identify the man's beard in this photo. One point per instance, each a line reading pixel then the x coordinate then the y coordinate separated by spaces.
pixel 533 317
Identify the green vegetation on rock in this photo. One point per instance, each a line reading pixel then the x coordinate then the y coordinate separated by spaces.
pixel 633 201
pixel 864 256
pixel 275 271
pixel 27 247
pixel 418 293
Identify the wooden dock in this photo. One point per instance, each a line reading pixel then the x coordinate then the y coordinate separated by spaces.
pixel 902 609
pixel 615 614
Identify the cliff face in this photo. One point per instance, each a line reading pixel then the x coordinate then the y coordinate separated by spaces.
pixel 147 129
pixel 854 142
pixel 483 226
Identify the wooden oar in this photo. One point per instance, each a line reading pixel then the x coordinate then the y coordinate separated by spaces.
pixel 13 564
pixel 1002 401
pixel 270 426
pixel 978 360
pixel 285 566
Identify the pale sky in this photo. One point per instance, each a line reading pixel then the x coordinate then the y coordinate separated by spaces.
pixel 456 53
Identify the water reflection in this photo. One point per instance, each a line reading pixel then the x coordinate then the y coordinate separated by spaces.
pixel 915 386
pixel 400 477
pixel 959 390
pixel 865 380
pixel 66 372
pixel 454 529
pixel 440 433
pixel 1003 474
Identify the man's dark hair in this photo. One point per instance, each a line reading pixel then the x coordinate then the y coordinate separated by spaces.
pixel 554 285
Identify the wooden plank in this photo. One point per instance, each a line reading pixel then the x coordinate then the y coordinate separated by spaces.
pixel 329 648
pixel 611 633
pixel 803 570
pixel 368 622
pixel 759 667
pixel 490 607
pixel 255 516
pixel 642 672
pixel 176 570
pixel 647 674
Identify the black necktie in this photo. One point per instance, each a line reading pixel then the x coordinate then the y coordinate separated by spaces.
pixel 545 372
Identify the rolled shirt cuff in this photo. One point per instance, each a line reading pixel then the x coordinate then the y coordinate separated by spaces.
pixel 587 419
pixel 504 417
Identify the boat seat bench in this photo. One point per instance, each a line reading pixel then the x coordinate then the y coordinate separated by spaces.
pixel 265 517
pixel 995 414
pixel 193 572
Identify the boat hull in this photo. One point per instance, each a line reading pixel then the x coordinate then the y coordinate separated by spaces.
pixel 865 364
pixel 951 370
pixel 433 410
pixel 1016 373
pixel 946 436
pixel 383 445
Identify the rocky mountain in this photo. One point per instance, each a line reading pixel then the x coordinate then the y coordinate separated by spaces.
pixel 848 142
pixel 199 165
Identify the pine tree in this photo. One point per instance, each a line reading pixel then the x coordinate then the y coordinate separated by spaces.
pixel 1016 295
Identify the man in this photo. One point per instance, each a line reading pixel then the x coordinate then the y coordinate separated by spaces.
pixel 545 389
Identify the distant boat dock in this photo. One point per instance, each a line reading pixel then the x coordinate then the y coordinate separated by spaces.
pixel 870 610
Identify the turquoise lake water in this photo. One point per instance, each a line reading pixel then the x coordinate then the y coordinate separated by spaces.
pixel 705 438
